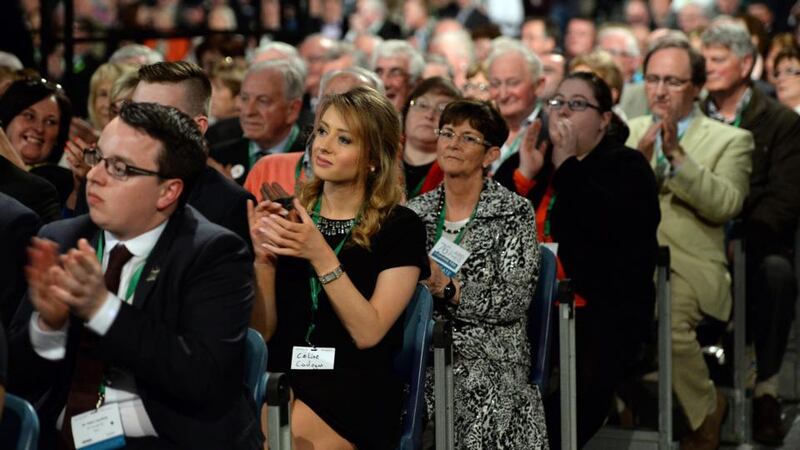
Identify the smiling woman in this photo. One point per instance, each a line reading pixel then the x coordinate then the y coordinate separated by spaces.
pixel 36 115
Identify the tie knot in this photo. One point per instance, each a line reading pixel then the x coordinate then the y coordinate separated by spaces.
pixel 119 256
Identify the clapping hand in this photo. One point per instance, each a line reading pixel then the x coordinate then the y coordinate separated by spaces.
pixel 531 156
pixel 565 139
pixel 255 217
pixel 79 281
pixel 42 258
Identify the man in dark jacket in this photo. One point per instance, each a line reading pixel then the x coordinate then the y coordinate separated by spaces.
pixel 770 212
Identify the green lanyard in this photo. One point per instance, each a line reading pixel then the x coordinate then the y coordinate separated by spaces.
pixel 134 279
pixel 548 214
pixel 101 389
pixel 440 222
pixel 313 281
pixel 418 187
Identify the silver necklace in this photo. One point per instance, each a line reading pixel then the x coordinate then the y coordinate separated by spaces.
pixel 331 227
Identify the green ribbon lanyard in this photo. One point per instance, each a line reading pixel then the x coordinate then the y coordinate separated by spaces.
pixel 418 187
pixel 440 222
pixel 101 390
pixel 548 214
pixel 313 281
pixel 253 156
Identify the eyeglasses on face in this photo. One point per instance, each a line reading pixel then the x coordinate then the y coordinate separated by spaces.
pixel 115 167
pixel 788 72
pixel 447 136
pixel 671 82
pixel 575 104
pixel 393 73
pixel 483 87
pixel 423 105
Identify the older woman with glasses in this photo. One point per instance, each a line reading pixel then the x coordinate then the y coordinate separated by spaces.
pixel 420 120
pixel 787 78
pixel 598 203
pixel 486 291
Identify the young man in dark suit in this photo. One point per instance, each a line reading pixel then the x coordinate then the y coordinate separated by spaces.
pixel 145 310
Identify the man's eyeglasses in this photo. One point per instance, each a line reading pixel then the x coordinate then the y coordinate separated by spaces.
pixel 671 82
pixel 115 166
pixel 393 73
pixel 483 87
pixel 576 104
pixel 423 106
pixel 447 136
pixel 787 72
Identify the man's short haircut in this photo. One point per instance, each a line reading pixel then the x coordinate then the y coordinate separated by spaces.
pixel 457 39
pixel 696 61
pixel 278 46
pixel 396 48
pixel 196 83
pixel 551 28
pixel 733 36
pixel 440 60
pixel 504 45
pixel 183 149
pixel 631 44
pixel 294 77
pixel 371 79
pixel 138 52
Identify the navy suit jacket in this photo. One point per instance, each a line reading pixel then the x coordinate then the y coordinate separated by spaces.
pixel 182 338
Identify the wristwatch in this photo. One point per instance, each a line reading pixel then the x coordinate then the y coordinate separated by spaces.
pixel 332 275
pixel 449 291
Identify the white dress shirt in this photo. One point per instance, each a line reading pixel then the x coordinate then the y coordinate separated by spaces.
pixel 52 344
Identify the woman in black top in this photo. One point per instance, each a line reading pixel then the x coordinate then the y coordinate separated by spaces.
pixel 603 214
pixel 337 277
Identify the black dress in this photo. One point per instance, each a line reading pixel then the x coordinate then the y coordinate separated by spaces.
pixel 361 397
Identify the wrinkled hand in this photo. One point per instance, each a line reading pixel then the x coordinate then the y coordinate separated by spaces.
pixel 74 150
pixel 531 157
pixel 79 282
pixel 564 137
pixel 42 257
pixel 648 141
pixel 437 281
pixel 298 239
pixel 255 216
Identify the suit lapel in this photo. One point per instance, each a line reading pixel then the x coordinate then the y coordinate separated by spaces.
pixel 155 261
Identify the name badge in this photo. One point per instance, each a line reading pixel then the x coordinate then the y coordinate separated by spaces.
pixel 552 246
pixel 98 429
pixel 450 256
pixel 313 358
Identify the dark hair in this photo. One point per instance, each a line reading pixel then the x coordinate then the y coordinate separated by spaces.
pixel 198 87
pixel 23 93
pixel 786 53
pixel 551 28
pixel 435 85
pixel 480 115
pixel 602 95
pixel 697 63
pixel 183 148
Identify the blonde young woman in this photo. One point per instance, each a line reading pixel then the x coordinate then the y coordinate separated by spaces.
pixel 334 276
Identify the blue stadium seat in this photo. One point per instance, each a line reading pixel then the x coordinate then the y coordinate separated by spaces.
pixel 19 429
pixel 256 365
pixel 410 365
pixel 541 320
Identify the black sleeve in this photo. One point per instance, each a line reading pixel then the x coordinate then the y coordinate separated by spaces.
pixel 401 242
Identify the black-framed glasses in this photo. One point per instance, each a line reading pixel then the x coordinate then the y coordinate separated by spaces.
pixel 116 167
pixel 671 82
pixel 576 104
pixel 423 105
pixel 448 136
pixel 788 72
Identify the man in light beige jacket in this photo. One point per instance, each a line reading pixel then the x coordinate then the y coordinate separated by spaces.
pixel 703 169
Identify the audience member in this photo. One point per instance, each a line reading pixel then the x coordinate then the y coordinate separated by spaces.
pixel 136 54
pixel 437 66
pixel 779 43
pixel 787 78
pixel 477 86
pixel 702 167
pixel 553 71
pixel 314 51
pixel 418 23
pixel 421 173
pixel 620 42
pixel 35 115
pixel 400 67
pixel 31 190
pixel 693 16
pixel 226 82
pixel 488 296
pixel 515 75
pixel 457 48
pixel 372 16
pixel 540 35
pixel 770 211
pixel 98 103
pixel 270 101
pixel 339 277
pixel 580 36
pixel 168 347
pixel 18 224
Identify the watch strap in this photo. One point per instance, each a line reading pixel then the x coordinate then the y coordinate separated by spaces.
pixel 332 275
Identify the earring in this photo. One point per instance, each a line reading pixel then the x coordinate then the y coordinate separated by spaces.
pixel 372 168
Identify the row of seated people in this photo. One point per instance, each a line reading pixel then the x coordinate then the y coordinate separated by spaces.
pixel 598 200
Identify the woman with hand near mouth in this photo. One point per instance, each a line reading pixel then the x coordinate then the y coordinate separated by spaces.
pixel 36 115
pixel 488 294
pixel 333 284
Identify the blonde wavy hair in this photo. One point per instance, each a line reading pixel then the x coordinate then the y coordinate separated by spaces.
pixel 375 125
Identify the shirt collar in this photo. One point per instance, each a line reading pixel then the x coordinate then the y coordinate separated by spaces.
pixel 280 147
pixel 139 246
pixel 744 100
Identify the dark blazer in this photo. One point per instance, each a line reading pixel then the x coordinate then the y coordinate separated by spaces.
pixel 237 152
pixel 389 30
pixel 183 338
pixel 772 207
pixel 32 191
pixel 222 202
pixel 17 225
pixel 224 130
